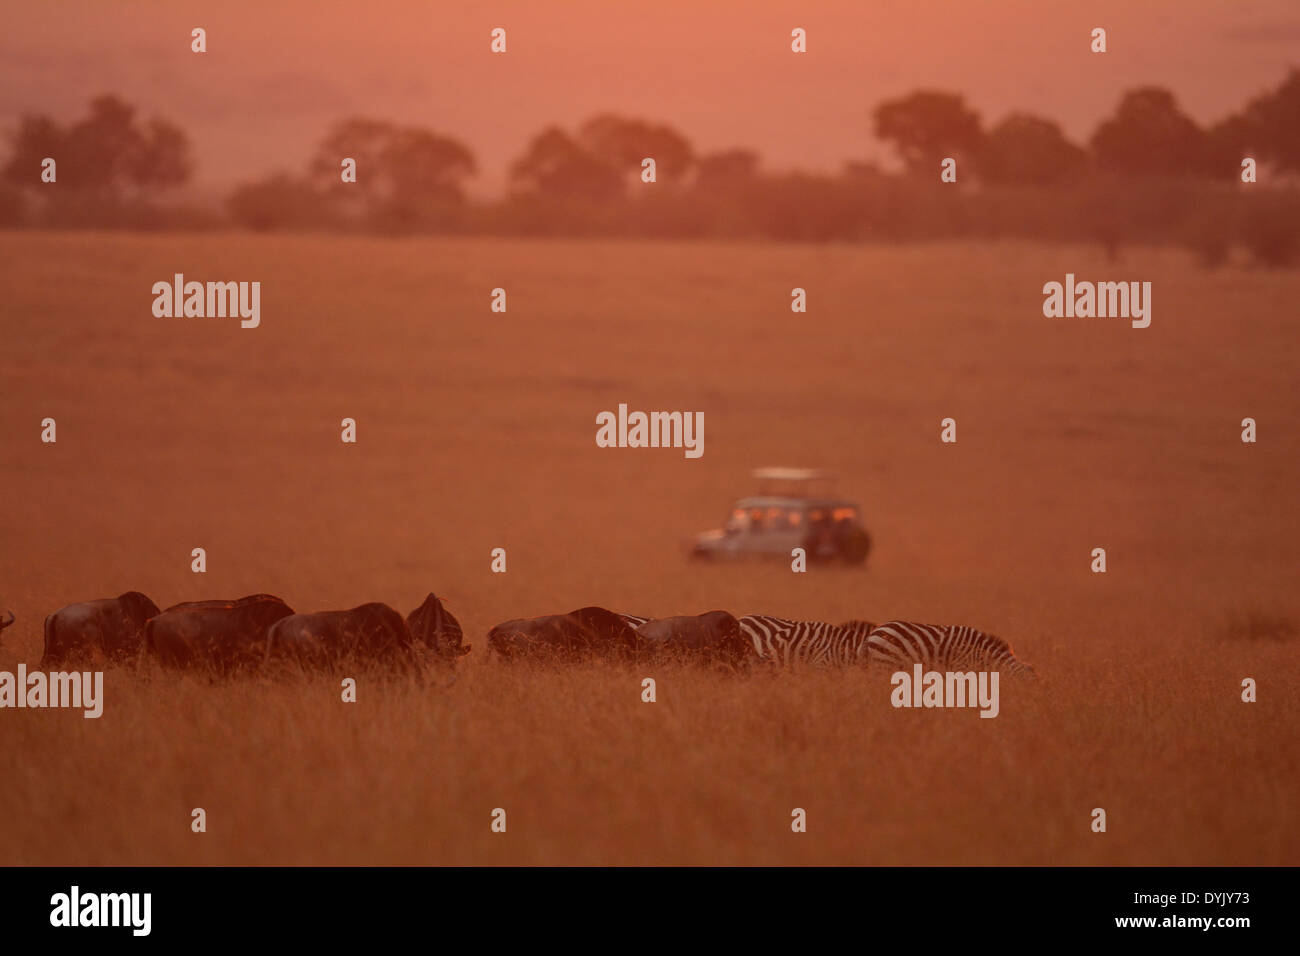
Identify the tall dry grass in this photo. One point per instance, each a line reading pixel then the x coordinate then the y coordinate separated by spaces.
pixel 477 431
pixel 588 773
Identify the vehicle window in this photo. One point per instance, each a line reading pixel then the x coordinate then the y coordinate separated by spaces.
pixel 821 523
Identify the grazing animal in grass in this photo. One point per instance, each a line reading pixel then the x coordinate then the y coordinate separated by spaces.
pixel 712 636
pixel 109 629
pixel 371 633
pixel 785 642
pixel 222 636
pixel 435 628
pixel 586 632
pixel 900 644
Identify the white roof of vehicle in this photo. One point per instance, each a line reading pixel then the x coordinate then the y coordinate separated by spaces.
pixel 791 474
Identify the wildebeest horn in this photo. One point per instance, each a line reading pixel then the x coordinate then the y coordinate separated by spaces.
pixel 4 623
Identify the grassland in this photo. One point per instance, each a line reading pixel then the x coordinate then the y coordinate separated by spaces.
pixel 476 431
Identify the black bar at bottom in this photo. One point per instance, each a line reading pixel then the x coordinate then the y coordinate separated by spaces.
pixel 616 907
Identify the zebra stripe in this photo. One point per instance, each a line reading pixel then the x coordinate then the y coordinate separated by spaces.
pixel 783 642
pixel 900 644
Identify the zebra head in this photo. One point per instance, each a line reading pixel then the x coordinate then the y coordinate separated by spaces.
pixel 1006 657
pixel 1017 666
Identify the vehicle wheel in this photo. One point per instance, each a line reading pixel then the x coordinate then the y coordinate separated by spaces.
pixel 853 544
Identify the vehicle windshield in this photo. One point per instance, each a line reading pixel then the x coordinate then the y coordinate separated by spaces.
pixel 755 520
pixel 738 520
pixel 822 521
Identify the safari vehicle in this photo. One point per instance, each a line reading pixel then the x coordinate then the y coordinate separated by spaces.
pixel 793 509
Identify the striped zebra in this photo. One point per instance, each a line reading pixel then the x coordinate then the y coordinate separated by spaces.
pixel 807 642
pixel 900 644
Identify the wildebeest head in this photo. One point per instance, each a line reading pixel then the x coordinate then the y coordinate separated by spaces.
pixel 137 607
pixel 434 627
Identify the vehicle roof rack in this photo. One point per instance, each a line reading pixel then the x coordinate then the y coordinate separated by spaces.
pixel 770 479
pixel 791 474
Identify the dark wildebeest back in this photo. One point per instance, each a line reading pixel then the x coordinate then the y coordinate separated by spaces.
pixel 588 631
pixel 523 637
pixel 605 632
pixel 712 636
pixel 113 627
pixel 221 635
pixel 368 633
pixel 434 627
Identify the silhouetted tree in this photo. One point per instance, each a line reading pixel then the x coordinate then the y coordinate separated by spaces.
pixel 35 138
pixel 1271 227
pixel 1028 150
pixel 727 168
pixel 279 201
pixel 927 126
pixel 105 154
pixel 1273 122
pixel 11 206
pixel 405 175
pixel 1229 141
pixel 555 165
pixel 421 163
pixel 624 143
pixel 1150 136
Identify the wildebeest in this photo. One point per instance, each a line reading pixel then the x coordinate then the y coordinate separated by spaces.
pixel 585 632
pixel 369 633
pixel 434 627
pixel 712 636
pixel 221 635
pixel 111 627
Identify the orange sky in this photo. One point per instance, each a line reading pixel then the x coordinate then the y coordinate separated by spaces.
pixel 719 70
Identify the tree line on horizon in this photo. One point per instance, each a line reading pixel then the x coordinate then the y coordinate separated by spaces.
pixel 1148 173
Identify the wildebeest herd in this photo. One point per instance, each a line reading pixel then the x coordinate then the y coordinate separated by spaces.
pixel 250 633
pixel 261 631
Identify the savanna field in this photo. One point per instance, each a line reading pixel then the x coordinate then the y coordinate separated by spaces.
pixel 476 430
